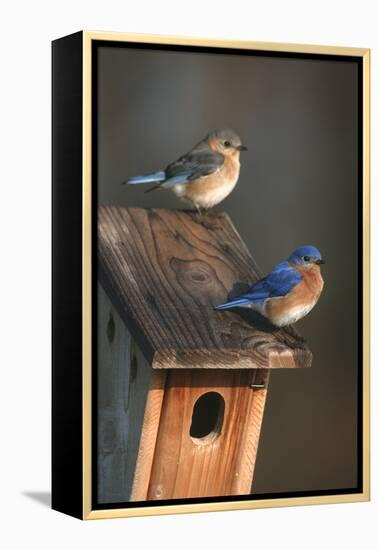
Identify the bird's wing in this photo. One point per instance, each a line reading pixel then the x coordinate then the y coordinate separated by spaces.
pixel 282 279
pixel 196 164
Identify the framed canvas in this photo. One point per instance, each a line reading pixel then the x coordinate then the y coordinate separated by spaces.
pixel 172 309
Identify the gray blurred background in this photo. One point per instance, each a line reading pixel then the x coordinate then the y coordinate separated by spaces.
pixel 298 185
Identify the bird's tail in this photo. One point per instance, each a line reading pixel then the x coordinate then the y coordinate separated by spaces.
pixel 240 302
pixel 156 177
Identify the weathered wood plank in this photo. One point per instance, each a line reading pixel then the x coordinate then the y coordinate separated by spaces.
pixel 148 436
pixel 166 269
pixel 123 379
pixel 220 463
pixel 249 445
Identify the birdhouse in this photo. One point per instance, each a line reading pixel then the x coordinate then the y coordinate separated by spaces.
pixel 181 387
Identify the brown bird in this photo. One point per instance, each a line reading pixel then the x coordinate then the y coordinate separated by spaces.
pixel 205 175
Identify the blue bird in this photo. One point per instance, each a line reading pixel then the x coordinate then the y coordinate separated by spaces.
pixel 205 175
pixel 289 292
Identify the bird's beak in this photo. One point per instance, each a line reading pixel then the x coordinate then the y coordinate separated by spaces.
pixel 319 262
pixel 241 148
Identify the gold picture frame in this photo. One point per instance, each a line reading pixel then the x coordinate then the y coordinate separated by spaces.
pixel 85 510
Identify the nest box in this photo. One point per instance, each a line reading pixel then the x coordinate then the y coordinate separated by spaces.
pixel 181 388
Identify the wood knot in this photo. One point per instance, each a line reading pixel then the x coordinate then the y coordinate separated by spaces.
pixel 225 248
pixel 199 280
pixel 198 276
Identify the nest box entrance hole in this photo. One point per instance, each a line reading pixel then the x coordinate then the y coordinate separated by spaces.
pixel 207 418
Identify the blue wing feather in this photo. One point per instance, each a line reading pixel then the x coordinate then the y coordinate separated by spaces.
pixel 279 282
pixel 180 178
pixel 194 165
pixel 282 279
pixel 201 161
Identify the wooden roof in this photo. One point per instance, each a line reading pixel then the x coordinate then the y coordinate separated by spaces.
pixel 164 270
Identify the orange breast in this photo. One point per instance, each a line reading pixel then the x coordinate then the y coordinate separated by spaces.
pixel 210 190
pixel 313 279
pixel 299 301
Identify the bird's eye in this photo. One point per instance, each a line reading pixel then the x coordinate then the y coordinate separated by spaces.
pixel 227 143
pixel 306 258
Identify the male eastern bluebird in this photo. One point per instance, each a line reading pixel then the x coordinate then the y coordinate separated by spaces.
pixel 205 175
pixel 289 292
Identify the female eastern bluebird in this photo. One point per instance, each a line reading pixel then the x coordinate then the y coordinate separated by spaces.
pixel 289 292
pixel 206 175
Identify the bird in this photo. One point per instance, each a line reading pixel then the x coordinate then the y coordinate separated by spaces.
pixel 289 292
pixel 205 175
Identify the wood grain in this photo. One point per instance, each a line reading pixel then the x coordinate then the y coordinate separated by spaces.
pixel 166 269
pixel 123 379
pixel 187 467
pixel 243 483
pixel 148 436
